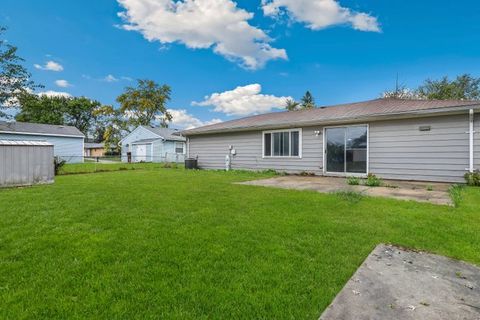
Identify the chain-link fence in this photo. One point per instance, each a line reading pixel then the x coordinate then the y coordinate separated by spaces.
pixel 125 158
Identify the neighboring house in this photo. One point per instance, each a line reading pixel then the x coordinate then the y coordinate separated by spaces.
pixel 152 144
pixel 94 149
pixel 67 140
pixel 394 139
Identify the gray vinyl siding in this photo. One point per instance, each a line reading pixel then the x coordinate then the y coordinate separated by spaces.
pixel 212 149
pixel 399 150
pixel 68 148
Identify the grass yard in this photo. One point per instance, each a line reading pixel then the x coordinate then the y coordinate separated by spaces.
pixel 170 243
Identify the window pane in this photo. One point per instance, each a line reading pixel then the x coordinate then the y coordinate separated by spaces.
pixel 356 152
pixel 178 147
pixel 285 144
pixel 335 149
pixel 268 144
pixel 276 143
pixel 295 143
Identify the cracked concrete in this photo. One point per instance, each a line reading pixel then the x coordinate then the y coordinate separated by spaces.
pixel 397 283
pixel 436 193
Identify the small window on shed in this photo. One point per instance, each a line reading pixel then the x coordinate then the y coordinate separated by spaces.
pixel 178 147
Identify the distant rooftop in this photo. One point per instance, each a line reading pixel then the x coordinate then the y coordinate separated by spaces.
pixel 331 114
pixel 166 133
pixel 93 145
pixel 38 128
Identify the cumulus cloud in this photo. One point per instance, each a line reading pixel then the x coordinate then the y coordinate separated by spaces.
pixel 50 66
pixel 243 101
pixel 51 93
pixel 182 119
pixel 202 24
pixel 319 14
pixel 62 83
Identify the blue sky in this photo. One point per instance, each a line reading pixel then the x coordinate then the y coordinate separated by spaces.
pixel 341 51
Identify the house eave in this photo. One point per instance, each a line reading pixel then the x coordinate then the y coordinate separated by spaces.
pixel 338 121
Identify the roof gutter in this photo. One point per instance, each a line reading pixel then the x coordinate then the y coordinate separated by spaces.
pixel 379 117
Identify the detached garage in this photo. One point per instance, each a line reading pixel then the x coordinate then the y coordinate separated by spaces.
pixel 67 141
pixel 24 163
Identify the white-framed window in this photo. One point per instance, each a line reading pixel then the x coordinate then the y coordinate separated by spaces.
pixel 285 143
pixel 179 147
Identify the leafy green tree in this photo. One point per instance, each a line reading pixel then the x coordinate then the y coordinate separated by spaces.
pixel 41 109
pixel 291 105
pixel 464 87
pixel 14 78
pixel 145 103
pixel 78 112
pixel 113 126
pixel 307 101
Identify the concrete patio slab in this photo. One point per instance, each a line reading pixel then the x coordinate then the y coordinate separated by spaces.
pixel 395 283
pixel 436 193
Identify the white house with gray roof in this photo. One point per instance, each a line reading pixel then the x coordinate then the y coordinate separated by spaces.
pixel 395 139
pixel 67 140
pixel 153 144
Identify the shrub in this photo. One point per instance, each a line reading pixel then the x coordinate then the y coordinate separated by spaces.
pixel 270 171
pixel 429 187
pixel 306 174
pixel 473 178
pixel 58 163
pixel 373 181
pixel 353 181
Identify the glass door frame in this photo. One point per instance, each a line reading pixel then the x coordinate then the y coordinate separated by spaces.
pixel 324 155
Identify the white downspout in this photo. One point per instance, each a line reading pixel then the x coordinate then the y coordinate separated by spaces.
pixel 471 132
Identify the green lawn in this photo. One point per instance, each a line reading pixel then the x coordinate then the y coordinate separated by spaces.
pixel 91 167
pixel 170 243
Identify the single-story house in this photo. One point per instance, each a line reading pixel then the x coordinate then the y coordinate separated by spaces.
pixel 67 140
pixel 153 144
pixel 423 140
pixel 94 149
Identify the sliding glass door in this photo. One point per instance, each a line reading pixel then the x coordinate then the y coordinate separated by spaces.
pixel 346 149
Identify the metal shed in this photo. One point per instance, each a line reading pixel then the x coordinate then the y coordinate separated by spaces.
pixel 24 163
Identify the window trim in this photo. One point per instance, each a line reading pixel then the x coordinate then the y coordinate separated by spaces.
pixel 300 144
pixel 345 174
pixel 183 147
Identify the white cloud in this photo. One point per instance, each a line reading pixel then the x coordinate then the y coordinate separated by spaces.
pixel 50 66
pixel 62 83
pixel 182 119
pixel 319 14
pixel 110 78
pixel 243 101
pixel 202 24
pixel 51 93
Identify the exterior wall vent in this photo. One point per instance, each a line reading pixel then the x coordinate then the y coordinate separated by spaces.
pixel 425 128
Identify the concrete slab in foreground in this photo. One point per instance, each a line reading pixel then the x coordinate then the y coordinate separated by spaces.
pixel 395 283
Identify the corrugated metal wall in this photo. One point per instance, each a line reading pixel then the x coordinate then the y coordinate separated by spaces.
pixel 22 165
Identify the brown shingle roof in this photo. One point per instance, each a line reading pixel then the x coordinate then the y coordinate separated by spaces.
pixel 336 113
